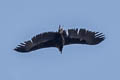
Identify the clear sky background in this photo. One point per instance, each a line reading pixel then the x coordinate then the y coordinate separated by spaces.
pixel 20 20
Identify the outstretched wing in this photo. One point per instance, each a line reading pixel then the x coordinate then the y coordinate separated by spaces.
pixel 43 40
pixel 83 36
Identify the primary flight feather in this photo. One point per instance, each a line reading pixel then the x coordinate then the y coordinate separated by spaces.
pixel 61 38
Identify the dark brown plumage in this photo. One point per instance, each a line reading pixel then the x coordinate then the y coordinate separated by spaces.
pixel 61 38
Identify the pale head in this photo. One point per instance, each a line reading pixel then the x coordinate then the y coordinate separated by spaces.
pixel 60 30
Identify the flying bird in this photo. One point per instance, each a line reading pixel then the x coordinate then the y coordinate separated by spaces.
pixel 61 38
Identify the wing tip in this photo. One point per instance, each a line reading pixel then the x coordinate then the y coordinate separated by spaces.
pixel 20 49
pixel 100 39
pixel 23 47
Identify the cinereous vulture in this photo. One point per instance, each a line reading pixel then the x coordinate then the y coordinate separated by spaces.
pixel 61 38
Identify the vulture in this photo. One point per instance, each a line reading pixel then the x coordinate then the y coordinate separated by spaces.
pixel 61 38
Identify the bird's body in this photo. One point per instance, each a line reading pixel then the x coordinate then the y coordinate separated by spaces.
pixel 60 39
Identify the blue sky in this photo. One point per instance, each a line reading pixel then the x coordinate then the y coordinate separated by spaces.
pixel 22 19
